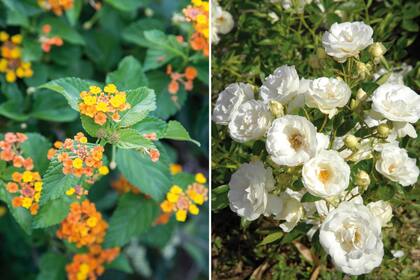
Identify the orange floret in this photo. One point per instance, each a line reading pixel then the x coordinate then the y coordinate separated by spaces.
pixel 56 6
pixel 103 105
pixel 91 265
pixel 83 226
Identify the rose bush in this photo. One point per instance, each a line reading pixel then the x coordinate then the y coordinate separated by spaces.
pixel 342 144
pixel 100 106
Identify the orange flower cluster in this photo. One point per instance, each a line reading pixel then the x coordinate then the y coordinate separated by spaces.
pixel 48 41
pixel 83 226
pixel 79 158
pixel 101 105
pixel 186 78
pixel 27 185
pixel 182 202
pixel 198 14
pixel 57 6
pixel 10 62
pixel 10 150
pixel 154 154
pixel 90 265
pixel 121 185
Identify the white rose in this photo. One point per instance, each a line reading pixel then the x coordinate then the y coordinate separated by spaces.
pixel 291 140
pixel 250 122
pixel 396 103
pixel 351 235
pixel 286 207
pixel 299 5
pixel 281 86
pixel 395 165
pixel 248 190
pixel 222 22
pixel 381 210
pixel 323 141
pixel 347 39
pixel 326 175
pixel 229 101
pixel 328 94
pixel 298 101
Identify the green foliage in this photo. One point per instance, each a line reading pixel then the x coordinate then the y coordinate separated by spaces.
pixel 125 222
pixel 127 43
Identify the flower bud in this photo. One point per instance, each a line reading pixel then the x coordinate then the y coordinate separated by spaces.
pixel 383 130
pixel 276 108
pixel 363 69
pixel 354 104
pixel 320 52
pixel 30 90
pixel 351 142
pixel 112 165
pixel 361 95
pixel 377 50
pixel 362 179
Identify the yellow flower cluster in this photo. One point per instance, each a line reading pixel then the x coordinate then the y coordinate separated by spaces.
pixel 101 105
pixel 182 202
pixel 198 14
pixel 29 187
pixel 11 63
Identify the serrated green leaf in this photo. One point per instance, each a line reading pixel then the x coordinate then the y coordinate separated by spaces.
pixel 176 131
pixel 70 88
pixel 52 267
pixel 56 183
pixel 133 216
pixel 52 212
pixel 134 33
pixel 36 147
pixel 49 106
pixel 142 101
pixel 272 237
pixel 152 178
pixel 129 75
pixel 89 125
pixel 132 139
pixel 151 125
pixel 159 235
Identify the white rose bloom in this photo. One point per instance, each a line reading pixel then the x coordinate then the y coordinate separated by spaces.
pixel 381 210
pixel 281 86
pixel 291 140
pixel 298 101
pixel 323 141
pixel 286 207
pixel 229 101
pixel 248 190
pixel 326 175
pixel 250 122
pixel 328 94
pixel 351 235
pixel 396 103
pixel 347 39
pixel 395 165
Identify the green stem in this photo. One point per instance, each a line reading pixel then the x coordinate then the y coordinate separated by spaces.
pixel 324 123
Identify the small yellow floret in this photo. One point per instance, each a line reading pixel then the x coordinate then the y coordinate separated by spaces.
pixel 200 178
pixel 78 163
pixel 181 215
